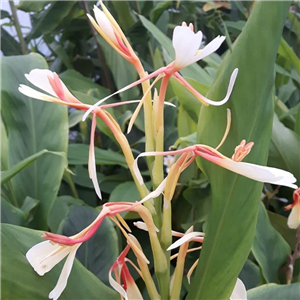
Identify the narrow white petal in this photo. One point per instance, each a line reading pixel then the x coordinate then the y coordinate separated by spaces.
pixel 239 291
pixel 37 254
pixel 186 43
pixel 210 48
pixel 64 275
pixel 30 92
pixel 117 287
pixel 259 173
pixel 158 191
pixel 143 226
pixel 39 78
pixel 294 217
pixel 92 161
pixel 186 238
pixel 105 24
pixel 229 90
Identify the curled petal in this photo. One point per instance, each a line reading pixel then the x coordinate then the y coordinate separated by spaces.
pixel 210 48
pixel 186 238
pixel 143 226
pixel 239 291
pixel 205 100
pixel 64 275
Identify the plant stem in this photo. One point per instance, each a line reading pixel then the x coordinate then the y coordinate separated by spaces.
pixel 18 28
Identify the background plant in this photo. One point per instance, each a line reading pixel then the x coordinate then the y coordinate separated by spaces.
pixel 39 139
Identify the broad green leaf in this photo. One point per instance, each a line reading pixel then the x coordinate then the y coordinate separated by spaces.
pixel 77 82
pixel 14 170
pixel 122 71
pixel 9 46
pixel 20 281
pixel 275 292
pixel 4 14
pixel 11 214
pixel 269 247
pixel 286 51
pixel 29 208
pixel 297 123
pixel 78 155
pixel 33 126
pixel 32 6
pixel 100 252
pixel 235 199
pixel 194 71
pixel 125 17
pixel 186 99
pixel 250 275
pixel 48 20
pixel 60 210
pixel 75 117
pixel 284 149
pixel 159 8
pixel 280 224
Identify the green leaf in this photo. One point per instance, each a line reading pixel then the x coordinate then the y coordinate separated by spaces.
pixel 11 214
pixel 4 147
pixel 194 71
pixel 284 149
pixel 75 117
pixel 9 46
pixel 4 14
pixel 78 155
pixel 269 247
pixel 60 210
pixel 235 199
pixel 280 224
pixel 100 252
pixel 275 291
pixel 77 82
pixel 29 207
pixel 48 20
pixel 122 71
pixel 125 17
pixel 286 51
pixel 14 170
pixel 20 281
pixel 159 8
pixel 33 126
pixel 32 6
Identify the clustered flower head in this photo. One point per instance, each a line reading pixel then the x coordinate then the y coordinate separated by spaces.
pixel 45 255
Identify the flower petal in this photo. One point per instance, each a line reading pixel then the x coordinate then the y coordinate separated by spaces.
pixel 239 291
pixel 37 256
pixel 255 172
pixel 92 161
pixel 294 217
pixel 32 93
pixel 105 24
pixel 210 48
pixel 39 78
pixel 186 43
pixel 64 275
pixel 186 238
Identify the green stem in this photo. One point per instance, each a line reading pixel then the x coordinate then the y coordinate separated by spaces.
pixel 18 28
pixel 69 180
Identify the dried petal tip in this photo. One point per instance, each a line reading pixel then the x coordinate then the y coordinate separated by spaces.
pixel 242 150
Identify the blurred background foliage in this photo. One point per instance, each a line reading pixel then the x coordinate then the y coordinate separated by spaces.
pixel 45 183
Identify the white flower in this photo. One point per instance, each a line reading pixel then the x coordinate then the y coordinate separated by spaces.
pixel 187 43
pixel 294 217
pixel 44 256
